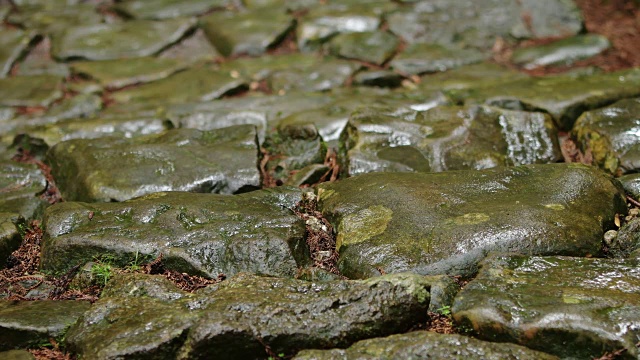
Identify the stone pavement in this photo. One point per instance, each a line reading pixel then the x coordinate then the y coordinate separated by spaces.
pixel 354 168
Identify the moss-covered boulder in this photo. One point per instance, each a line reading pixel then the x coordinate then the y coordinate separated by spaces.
pixel 447 222
pixel 612 136
pixel 216 161
pixel 11 227
pixel 425 345
pixel 31 323
pixel 445 138
pixel 241 317
pixel 575 308
pixel 204 234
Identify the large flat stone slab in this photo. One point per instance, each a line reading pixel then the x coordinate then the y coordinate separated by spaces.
pixel 612 136
pixel 167 9
pixel 30 323
pixel 54 17
pixel 128 39
pixel 575 308
pixel 216 161
pixel 425 345
pixel 563 52
pixel 435 223
pixel 445 138
pixel 245 314
pixel 204 234
pixel 123 72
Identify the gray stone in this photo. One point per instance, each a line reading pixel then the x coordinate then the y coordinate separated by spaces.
pixel 326 20
pixel 380 78
pixel 167 9
pixel 250 33
pixel 145 317
pixel 10 236
pixel 113 74
pixel 425 345
pixel 192 50
pixel 611 135
pixel 375 47
pixel 445 138
pixel 13 43
pixel 631 184
pixel 200 234
pixel 20 185
pixel 445 223
pixel 457 81
pixel 325 75
pixel 477 23
pixel 128 39
pixel 562 52
pixel 531 301
pixel 419 59
pixel 196 84
pixel 626 241
pixel 216 161
pixel 38 90
pixel 30 323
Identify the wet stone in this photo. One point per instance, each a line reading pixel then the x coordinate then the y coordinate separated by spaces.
pixel 625 243
pixel 425 345
pixel 167 9
pixel 322 22
pixel 196 84
pixel 631 184
pixel 93 128
pixel 564 97
pixel 10 236
pixel 445 138
pixel 20 185
pixel 119 73
pixel 454 82
pixel 243 314
pixel 419 59
pixel 191 50
pixel 473 23
pixel 38 90
pixel 199 234
pixel 250 33
pixel 30 323
pixel 216 161
pixel 531 301
pixel 445 223
pixel 563 52
pixel 120 40
pixel 13 43
pixel 260 68
pixel 372 47
pixel 611 135
pixel 325 75
pixel 379 78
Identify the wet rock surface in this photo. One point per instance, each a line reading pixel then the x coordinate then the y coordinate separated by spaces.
pixel 245 314
pixel 154 148
pixel 196 233
pixel 444 223
pixel 532 301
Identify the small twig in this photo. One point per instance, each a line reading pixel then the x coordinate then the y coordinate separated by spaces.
pixel 633 201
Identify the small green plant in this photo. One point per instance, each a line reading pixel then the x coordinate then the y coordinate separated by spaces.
pixel 279 356
pixel 136 263
pixel 445 310
pixel 102 272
